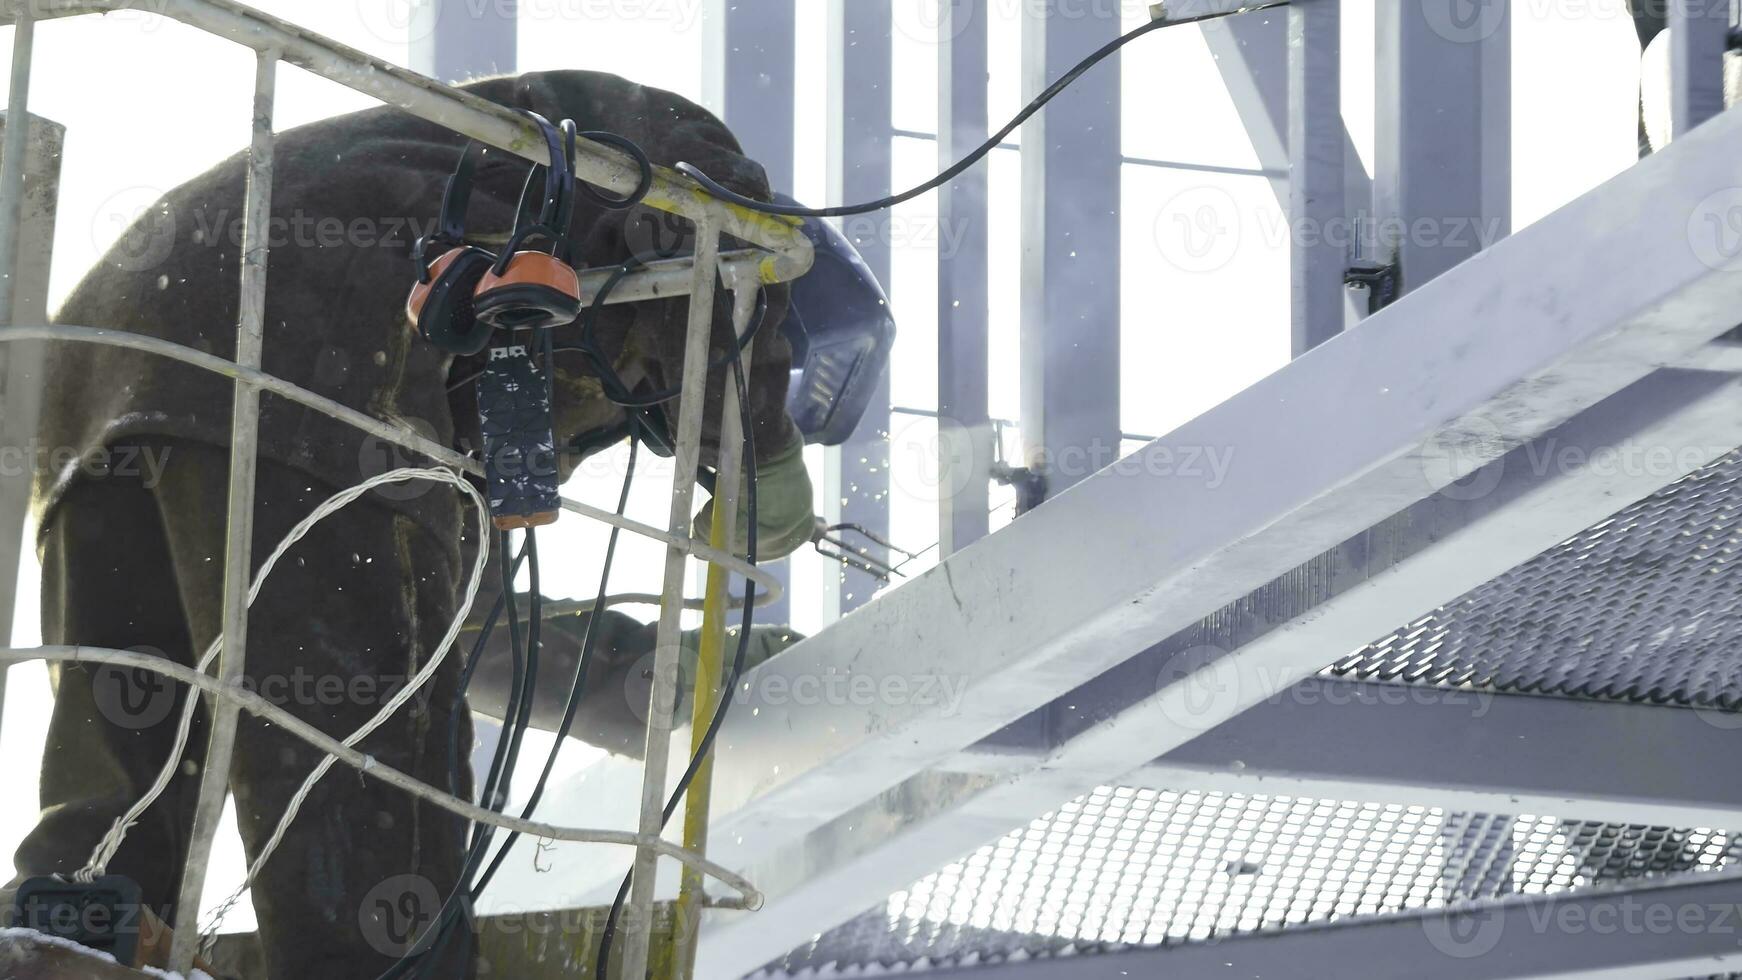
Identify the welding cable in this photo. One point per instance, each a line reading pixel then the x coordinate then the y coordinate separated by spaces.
pixel 435 939
pixel 577 689
pixel 399 699
pixel 112 841
pixel 1065 81
pixel 727 690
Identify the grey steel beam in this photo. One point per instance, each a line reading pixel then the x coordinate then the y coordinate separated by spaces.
pixel 1251 54
pixel 1239 658
pixel 454 40
pixel 1698 35
pixel 1665 931
pixel 1442 126
pixel 1319 253
pixel 1459 750
pixel 757 59
pixel 861 168
pixel 964 428
pixel 1071 160
pixel 21 361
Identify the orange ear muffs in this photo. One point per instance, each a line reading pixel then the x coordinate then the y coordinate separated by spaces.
pixel 440 306
pixel 532 292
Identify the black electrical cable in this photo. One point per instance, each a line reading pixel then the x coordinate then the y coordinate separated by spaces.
pixel 728 689
pixel 577 689
pixel 1065 81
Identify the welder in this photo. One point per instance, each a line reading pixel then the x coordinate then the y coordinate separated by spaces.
pixel 136 562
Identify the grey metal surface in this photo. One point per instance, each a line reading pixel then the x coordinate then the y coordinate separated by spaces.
pixel 964 292
pixel 1316 204
pixel 1124 867
pixel 1070 276
pixel 861 163
pixel 1442 134
pixel 1646 606
pixel 456 40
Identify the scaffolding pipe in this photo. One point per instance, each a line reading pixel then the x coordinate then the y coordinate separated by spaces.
pixel 711 655
pixel 663 697
pixel 12 204
pixel 239 531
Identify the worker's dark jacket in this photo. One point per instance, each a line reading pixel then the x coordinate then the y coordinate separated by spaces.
pixel 350 196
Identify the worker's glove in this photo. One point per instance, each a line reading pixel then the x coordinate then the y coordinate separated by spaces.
pixel 785 509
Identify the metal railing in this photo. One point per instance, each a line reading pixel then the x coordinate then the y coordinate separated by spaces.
pixel 777 252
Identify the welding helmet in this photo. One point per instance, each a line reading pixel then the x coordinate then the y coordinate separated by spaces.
pixel 841 331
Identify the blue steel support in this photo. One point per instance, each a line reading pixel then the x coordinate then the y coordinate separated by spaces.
pixel 964 431
pixel 759 80
pixel 862 169
pixel 1071 161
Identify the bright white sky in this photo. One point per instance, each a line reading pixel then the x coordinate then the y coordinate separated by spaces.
pixel 149 104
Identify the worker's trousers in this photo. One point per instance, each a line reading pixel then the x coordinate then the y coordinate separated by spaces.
pixel 346 619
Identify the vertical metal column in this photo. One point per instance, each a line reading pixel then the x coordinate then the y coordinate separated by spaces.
pixel 759 76
pixel 239 530
pixel 1071 161
pixel 663 698
pixel 1318 215
pixel 1442 141
pixel 861 66
pixel 964 431
pixel 1698 34
pixel 453 40
pixel 21 361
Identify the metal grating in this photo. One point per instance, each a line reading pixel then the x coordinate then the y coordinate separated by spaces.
pixel 1645 607
pixel 1125 867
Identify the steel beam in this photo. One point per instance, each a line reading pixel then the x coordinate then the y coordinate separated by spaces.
pixel 456 40
pixel 1198 681
pixel 1442 144
pixel 1698 35
pixel 1319 253
pixel 861 168
pixel 1458 750
pixel 753 75
pixel 21 362
pixel 964 428
pixel 1071 162
pixel 1686 927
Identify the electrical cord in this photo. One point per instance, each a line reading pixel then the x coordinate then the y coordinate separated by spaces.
pixel 111 842
pixel 1065 81
pixel 728 689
